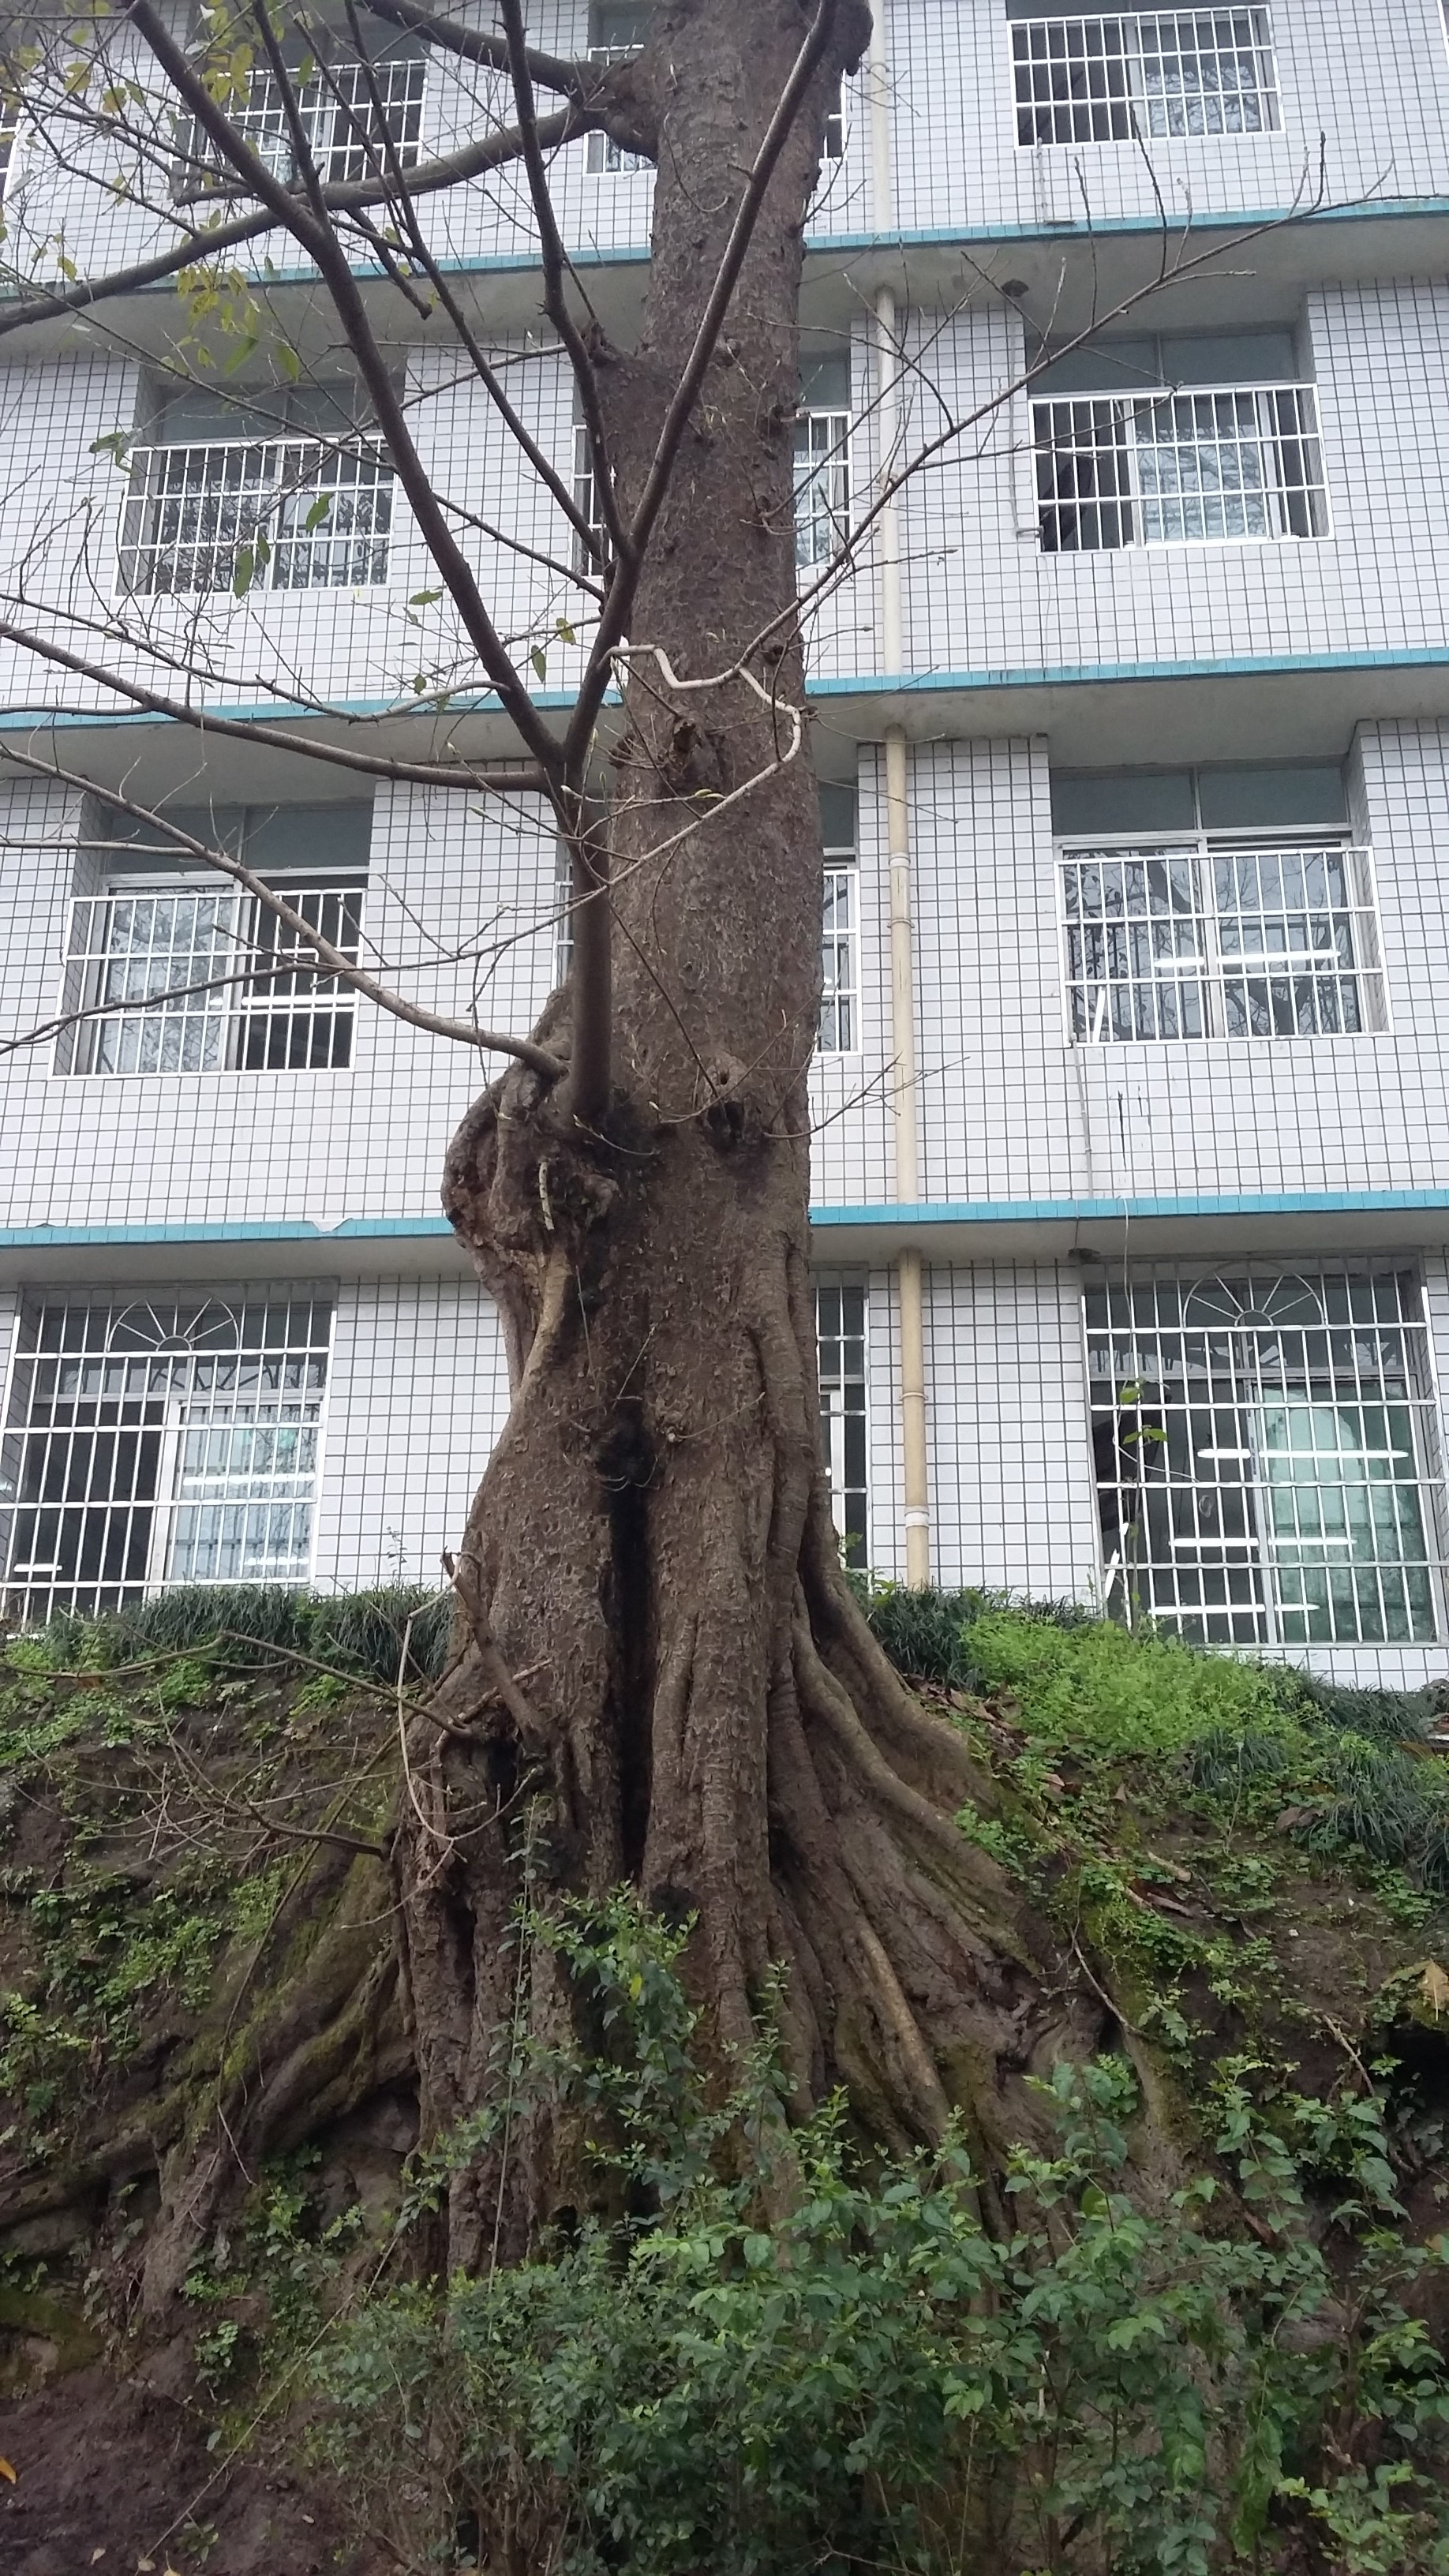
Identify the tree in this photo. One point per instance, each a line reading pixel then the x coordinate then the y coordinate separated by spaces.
pixel 661 1674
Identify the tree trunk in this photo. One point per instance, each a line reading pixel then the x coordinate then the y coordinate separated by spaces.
pixel 675 1684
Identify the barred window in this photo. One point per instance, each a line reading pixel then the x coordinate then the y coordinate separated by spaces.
pixel 840 928
pixel 586 502
pixel 1213 939
pixel 840 1318
pixel 286 514
pixel 822 485
pixel 9 128
pixel 1266 1455
pixel 191 975
pixel 358 119
pixel 164 1439
pixel 1219 466
pixel 1148 76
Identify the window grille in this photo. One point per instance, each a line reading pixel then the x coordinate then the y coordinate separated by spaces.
pixel 1211 940
pixel 283 514
pixel 9 128
pixel 840 956
pixel 822 485
pixel 840 1314
pixel 1117 80
pixel 563 917
pixel 1207 468
pixel 1266 1453
pixel 187 978
pixel 165 1440
pixel 357 119
pixel 586 502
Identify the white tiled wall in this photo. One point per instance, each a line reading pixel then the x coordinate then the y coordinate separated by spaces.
pixel 460 898
pixel 1369 89
pixel 418 1396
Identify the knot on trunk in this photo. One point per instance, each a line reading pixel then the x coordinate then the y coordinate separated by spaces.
pixel 622 98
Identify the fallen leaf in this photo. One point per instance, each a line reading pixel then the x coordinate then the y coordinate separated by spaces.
pixel 7 2473
pixel 145 2566
pixel 1434 1987
pixel 96 2554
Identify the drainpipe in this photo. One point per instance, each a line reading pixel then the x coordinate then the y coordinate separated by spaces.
pixel 898 845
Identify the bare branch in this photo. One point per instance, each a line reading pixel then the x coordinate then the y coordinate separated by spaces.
pixel 575 80
pixel 555 265
pixel 205 242
pixel 317 237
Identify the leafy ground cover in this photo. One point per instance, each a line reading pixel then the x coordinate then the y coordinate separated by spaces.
pixel 753 2354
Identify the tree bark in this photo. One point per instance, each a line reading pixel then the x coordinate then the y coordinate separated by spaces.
pixel 676 1685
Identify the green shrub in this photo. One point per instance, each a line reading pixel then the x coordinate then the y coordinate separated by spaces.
pixel 779 2360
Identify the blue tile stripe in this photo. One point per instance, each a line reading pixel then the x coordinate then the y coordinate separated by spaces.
pixel 927 1216
pixel 1246 666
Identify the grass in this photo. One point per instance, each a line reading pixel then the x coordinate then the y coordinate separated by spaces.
pixel 1256 1742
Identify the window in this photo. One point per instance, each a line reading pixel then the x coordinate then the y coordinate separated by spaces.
pixel 822 459
pixel 840 949
pixel 617 29
pixel 1222 466
pixel 1264 1446
pixel 224 498
pixel 1200 940
pixel 840 1330
pixel 586 502
pixel 563 917
pixel 357 118
pixel 9 128
pixel 161 1440
pixel 1115 80
pixel 187 974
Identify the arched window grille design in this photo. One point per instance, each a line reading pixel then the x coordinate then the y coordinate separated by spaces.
pixel 1266 1454
pixel 153 1440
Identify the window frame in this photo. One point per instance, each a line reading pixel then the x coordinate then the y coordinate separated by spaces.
pixel 84 972
pixel 1189 1551
pixel 1129 499
pixel 150 1391
pixel 835 1425
pixel 583 483
pixel 837 461
pixel 1268 91
pixel 1203 847
pixel 841 861
pixel 317 102
pixel 261 503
